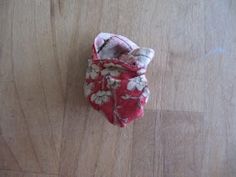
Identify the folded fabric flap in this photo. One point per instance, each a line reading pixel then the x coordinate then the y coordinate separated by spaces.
pixel 108 46
pixel 116 63
pixel 144 56
pixel 143 52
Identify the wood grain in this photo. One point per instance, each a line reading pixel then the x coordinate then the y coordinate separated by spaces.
pixel 47 129
pixel 7 173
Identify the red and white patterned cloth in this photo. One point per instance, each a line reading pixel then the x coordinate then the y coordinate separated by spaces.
pixel 115 79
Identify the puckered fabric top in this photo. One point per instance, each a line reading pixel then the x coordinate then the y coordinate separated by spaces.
pixel 115 81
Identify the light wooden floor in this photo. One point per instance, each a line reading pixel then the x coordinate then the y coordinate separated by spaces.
pixel 47 129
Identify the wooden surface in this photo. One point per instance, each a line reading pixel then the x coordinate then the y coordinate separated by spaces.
pixel 47 129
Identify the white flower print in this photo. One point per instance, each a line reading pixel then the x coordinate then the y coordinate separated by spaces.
pixel 142 62
pixel 112 65
pixel 101 97
pixel 113 83
pixel 137 83
pixel 142 71
pixel 146 93
pixel 90 62
pixel 92 71
pixel 111 69
pixel 88 88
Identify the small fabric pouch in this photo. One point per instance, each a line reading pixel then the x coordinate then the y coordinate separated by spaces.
pixel 115 81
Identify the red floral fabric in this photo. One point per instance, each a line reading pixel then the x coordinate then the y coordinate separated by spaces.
pixel 115 81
